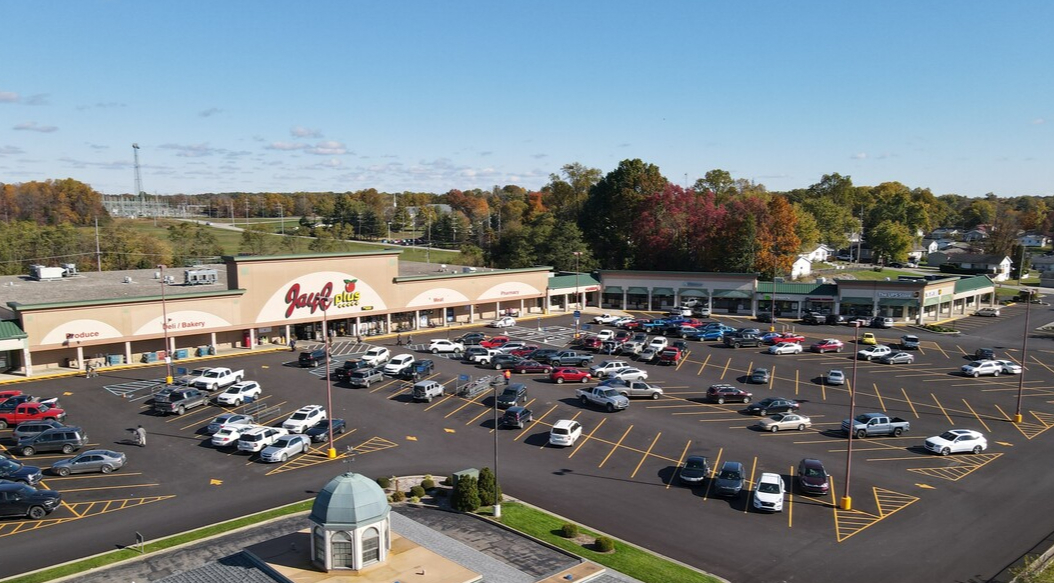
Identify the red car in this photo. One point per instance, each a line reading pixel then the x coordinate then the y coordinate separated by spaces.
pixel 496 342
pixel 572 375
pixel 532 366
pixel 788 337
pixel 622 336
pixel 592 342
pixel 670 356
pixel 525 352
pixel 634 324
pixel 827 345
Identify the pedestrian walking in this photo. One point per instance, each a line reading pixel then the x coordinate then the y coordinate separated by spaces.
pixel 358 338
pixel 508 375
pixel 398 339
pixel 409 339
pixel 140 436
pixel 292 344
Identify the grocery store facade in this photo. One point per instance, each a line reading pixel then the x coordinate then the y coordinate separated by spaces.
pixel 266 300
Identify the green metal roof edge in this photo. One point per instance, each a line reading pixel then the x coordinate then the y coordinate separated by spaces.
pixel 10 330
pixel 562 281
pixel 251 258
pixel 973 283
pixel 471 274
pixel 613 271
pixel 799 288
pixel 20 307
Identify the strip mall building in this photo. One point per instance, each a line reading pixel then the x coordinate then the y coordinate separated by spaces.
pixel 119 317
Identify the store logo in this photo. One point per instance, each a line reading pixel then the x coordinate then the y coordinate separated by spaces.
pixel 322 299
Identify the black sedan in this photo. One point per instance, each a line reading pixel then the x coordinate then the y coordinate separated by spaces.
pixel 696 468
pixel 773 405
pixel 320 432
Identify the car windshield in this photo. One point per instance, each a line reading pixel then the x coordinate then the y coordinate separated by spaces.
pixel 8 467
pixel 949 436
pixel 976 363
pixel 729 475
pixel 768 488
pixel 813 473
pixel 283 442
pixel 299 416
pixel 695 465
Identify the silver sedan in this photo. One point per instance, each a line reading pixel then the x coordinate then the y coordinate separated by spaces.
pixel 286 447
pixel 93 460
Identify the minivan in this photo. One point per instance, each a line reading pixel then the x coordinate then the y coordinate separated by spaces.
pixel 313 358
pixel 64 439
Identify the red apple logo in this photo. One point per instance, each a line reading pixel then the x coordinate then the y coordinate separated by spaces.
pixel 349 285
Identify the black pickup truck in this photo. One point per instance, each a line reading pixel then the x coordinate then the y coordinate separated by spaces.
pixel 740 340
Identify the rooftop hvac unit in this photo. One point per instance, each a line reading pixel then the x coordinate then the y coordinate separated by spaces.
pixel 128 279
pixel 69 269
pixel 42 272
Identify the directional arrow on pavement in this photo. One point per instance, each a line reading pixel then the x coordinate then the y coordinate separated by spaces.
pixel 66 394
pixel 926 486
pixel 1006 443
pixel 448 430
pixel 411 438
pixel 215 482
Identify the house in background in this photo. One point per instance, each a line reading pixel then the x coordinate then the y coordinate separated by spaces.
pixel 1044 264
pixel 922 250
pixel 978 233
pixel 801 267
pixel 996 267
pixel 820 253
pixel 950 233
pixel 1033 239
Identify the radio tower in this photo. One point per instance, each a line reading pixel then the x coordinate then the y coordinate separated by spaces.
pixel 138 180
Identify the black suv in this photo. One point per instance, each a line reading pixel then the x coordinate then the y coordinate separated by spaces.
pixel 471 339
pixel 313 358
pixel 542 354
pixel 503 361
pixel 64 439
pixel 513 394
pixel 517 417
pixel 22 500
pixel 984 354
pixel 344 372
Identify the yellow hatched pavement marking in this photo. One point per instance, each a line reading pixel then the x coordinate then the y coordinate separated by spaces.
pixel 851 522
pixel 1028 429
pixel 958 472
pixel 80 510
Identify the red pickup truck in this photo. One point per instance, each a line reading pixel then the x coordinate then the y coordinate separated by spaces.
pixel 31 411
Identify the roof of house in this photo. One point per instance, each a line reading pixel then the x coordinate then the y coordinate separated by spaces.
pixel 974 258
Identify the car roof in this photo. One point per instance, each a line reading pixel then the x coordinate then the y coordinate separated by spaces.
pixel 732 466
pixel 564 423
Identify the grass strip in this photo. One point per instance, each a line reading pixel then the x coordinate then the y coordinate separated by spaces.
pixel 628 559
pixel 112 557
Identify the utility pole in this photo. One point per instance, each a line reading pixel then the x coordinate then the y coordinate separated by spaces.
pixel 138 177
pixel 98 252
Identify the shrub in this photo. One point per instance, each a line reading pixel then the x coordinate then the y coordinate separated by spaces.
pixel 604 544
pixel 489 490
pixel 417 491
pixel 428 483
pixel 442 493
pixel 398 496
pixel 569 530
pixel 466 495
pixel 446 481
pixel 415 499
pixel 384 482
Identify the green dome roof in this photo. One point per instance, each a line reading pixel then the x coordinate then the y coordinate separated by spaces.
pixel 348 501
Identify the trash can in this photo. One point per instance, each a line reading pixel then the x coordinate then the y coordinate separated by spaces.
pixel 181 353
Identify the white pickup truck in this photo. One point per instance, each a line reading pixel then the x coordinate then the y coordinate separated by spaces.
pixel 214 379
pixel 607 398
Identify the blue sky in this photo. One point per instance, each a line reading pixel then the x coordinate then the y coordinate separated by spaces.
pixel 428 96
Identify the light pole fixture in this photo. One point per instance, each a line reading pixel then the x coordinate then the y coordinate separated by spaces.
pixel 164 327
pixel 1018 417
pixel 578 303
pixel 497 501
pixel 847 501
pixel 324 303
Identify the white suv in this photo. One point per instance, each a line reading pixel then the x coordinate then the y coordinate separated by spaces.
pixel 256 439
pixel 398 364
pixel 377 356
pixel 980 367
pixel 565 433
pixel 305 418
pixel 607 368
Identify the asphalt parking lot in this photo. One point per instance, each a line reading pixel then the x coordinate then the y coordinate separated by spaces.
pixel 620 477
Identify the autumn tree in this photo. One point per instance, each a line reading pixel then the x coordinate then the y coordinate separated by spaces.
pixel 613 206
pixel 255 240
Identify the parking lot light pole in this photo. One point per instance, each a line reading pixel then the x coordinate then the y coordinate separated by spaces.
pixel 497 502
pixel 323 302
pixel 579 305
pixel 164 326
pixel 847 500
pixel 1024 346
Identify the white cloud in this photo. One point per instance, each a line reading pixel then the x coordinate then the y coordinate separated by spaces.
pixel 33 126
pixel 209 112
pixel 1036 122
pixel 10 150
pixel 859 156
pixel 539 156
pixel 328 148
pixel 190 150
pixel 8 97
pixel 285 146
pixel 302 132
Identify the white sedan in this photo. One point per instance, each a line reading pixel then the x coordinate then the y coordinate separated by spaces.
pixel 631 374
pixel 228 435
pixel 441 345
pixel 957 441
pixel 1010 367
pixel 785 348
pixel 768 494
pixel 785 421
pixel 503 322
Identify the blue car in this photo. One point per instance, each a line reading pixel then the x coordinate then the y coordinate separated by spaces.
pixel 712 334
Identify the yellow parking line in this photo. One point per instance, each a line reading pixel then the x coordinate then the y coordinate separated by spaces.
pixel 941 407
pixel 1042 364
pixel 772 377
pixel 834 507
pixel 725 370
pixel 584 440
pixel 645 456
pixel 713 472
pixel 910 404
pixel 680 461
pixel 747 487
pixel 938 346
pixel 444 400
pixel 481 413
pixel 615 447
pixel 702 366
pixel 684 359
pixel 790 500
pixel 390 383
pixel 796 382
pixel 466 403
pixel 881 403
pixel 986 428
pixel 400 392
pixel 1003 413
pixel 533 425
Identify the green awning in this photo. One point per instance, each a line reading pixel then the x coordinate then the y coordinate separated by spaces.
pixel 731 293
pixel 699 293
pixel 662 291
pixel 898 302
pixel 10 331
pixel 858 301
pixel 613 289
pixel 637 290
